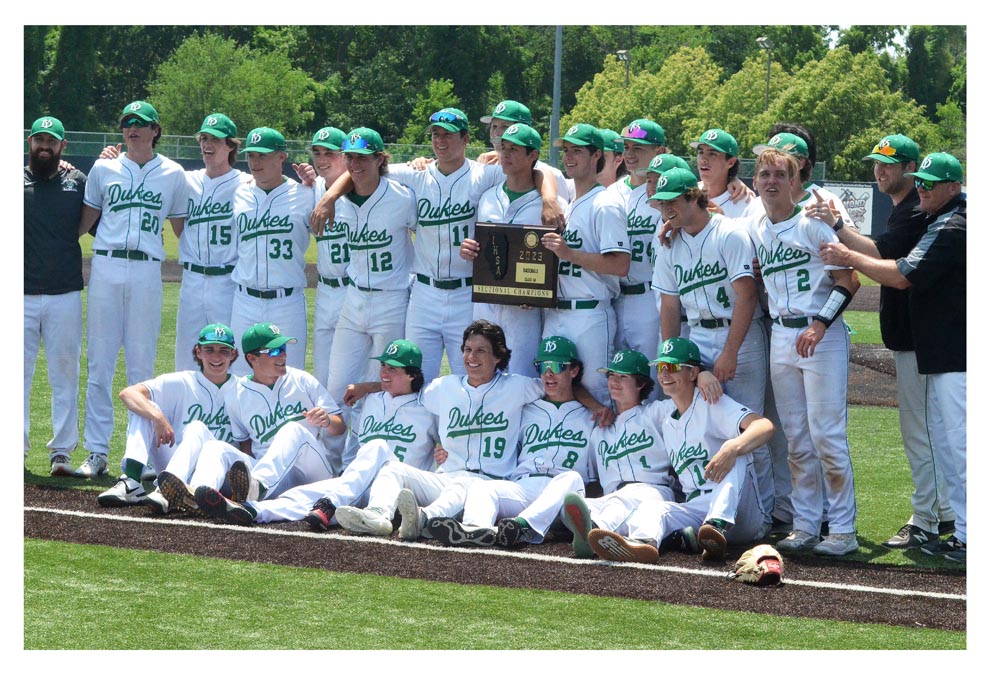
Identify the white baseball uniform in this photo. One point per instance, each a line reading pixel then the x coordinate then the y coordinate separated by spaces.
pixel 124 304
pixel 596 223
pixel 810 392
pixel 374 310
pixel 272 234
pixel 332 256
pixel 730 209
pixel 207 252
pixel 440 305
pixel 554 458
pixel 392 429
pixel 693 439
pixel 522 327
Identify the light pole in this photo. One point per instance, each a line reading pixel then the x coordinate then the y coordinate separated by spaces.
pixel 767 44
pixel 623 56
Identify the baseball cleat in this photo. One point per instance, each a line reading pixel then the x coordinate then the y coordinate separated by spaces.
pixel 512 532
pixel 413 521
pixel 125 492
pixel 371 521
pixel 837 544
pixel 711 539
pixel 910 536
pixel 61 466
pixel 797 540
pixel 93 466
pixel 577 519
pixel 215 505
pixel 243 486
pixel 451 532
pixel 156 503
pixel 319 518
pixel 683 539
pixel 611 546
pixel 176 492
pixel 950 549
pixel 149 472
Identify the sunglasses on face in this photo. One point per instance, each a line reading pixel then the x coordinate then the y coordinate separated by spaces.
pixel 555 367
pixel 927 184
pixel 273 352
pixel 134 122
pixel 673 367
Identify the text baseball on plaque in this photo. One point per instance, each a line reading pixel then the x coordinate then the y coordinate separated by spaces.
pixel 513 267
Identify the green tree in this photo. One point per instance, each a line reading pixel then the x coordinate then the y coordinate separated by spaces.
pixel 35 67
pixel 208 73
pixel 439 94
pixel 70 82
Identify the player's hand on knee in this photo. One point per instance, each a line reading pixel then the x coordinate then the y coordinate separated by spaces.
pixel 721 464
pixel 470 249
pixel 164 433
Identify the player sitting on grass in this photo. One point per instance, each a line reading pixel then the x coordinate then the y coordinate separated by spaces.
pixel 710 447
pixel 170 407
pixel 394 427
pixel 554 459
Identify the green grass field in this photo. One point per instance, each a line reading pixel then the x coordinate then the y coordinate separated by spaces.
pixel 82 597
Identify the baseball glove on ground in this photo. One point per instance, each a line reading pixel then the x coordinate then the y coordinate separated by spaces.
pixel 760 566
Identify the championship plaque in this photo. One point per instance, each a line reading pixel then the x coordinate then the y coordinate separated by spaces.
pixel 513 267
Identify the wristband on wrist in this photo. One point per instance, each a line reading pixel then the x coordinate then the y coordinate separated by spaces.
pixel 839 224
pixel 837 301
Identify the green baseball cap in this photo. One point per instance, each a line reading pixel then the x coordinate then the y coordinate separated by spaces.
pixel 219 125
pixel 678 351
pixel 613 141
pixel 217 334
pixel 524 135
pixel 664 162
pixel 48 125
pixel 673 183
pixel 939 166
pixel 720 140
pixel 141 109
pixel 644 132
pixel 329 137
pixel 582 134
pixel 789 143
pixel 363 141
pixel 265 140
pixel 556 348
pixel 264 336
pixel 450 119
pixel 511 111
pixel 628 362
pixel 894 150
pixel 401 354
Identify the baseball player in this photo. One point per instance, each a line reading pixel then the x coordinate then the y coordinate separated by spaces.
pixel 515 201
pixel 447 194
pixel 394 427
pixel 164 410
pixel 378 216
pixel 271 214
pixel 710 447
pixel 615 165
pixel 554 460
pixel 53 282
pixel 718 165
pixel 131 196
pixel 707 271
pixel 809 356
pixel 594 253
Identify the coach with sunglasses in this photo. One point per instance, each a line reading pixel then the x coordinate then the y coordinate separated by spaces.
pixel 934 272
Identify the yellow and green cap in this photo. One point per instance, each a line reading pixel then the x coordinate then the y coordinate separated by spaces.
pixel 895 149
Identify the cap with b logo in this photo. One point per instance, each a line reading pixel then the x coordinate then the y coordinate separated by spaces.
pixel 510 111
pixel 644 132
pixel 789 143
pixel 401 354
pixel 48 125
pixel 265 140
pixel 524 135
pixel 894 150
pixel 363 141
pixel 264 336
pixel 450 119
pixel 628 362
pixel 664 162
pixel 141 109
pixel 720 140
pixel 219 125
pixel 329 137
pixel 556 348
pixel 673 183
pixel 678 351
pixel 217 334
pixel 939 166
pixel 583 134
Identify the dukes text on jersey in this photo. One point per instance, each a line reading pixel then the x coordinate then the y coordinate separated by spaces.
pixel 627 444
pixel 686 455
pixel 367 238
pixel 209 211
pixel 218 422
pixel 537 439
pixel 119 199
pixel 445 213
pixel 387 430
pixel 781 258
pixel 267 224
pixel 690 278
pixel 265 426
pixel 480 422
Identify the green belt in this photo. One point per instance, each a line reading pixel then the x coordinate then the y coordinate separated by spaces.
pixel 635 289
pixel 445 284
pixel 126 254
pixel 796 322
pixel 334 283
pixel 541 475
pixel 713 323
pixel 266 295
pixel 208 271
pixel 577 304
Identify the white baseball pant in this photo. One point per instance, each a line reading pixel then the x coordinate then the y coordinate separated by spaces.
pixel 287 312
pixel 329 302
pixel 295 457
pixel 442 493
pixel 185 456
pixel 637 323
pixel 537 499
pixel 783 510
pixel 614 511
pixel 435 322
pixel 950 390
pixel 203 299
pixel 142 445
pixel 215 459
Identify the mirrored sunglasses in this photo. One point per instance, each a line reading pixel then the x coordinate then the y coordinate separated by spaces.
pixel 673 367
pixel 443 117
pixel 555 367
pixel 273 352
pixel 134 122
pixel 927 184
pixel 355 144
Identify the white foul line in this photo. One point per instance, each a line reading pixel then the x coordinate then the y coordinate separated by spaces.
pixel 488 551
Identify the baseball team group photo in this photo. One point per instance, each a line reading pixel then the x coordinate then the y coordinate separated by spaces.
pixel 508 357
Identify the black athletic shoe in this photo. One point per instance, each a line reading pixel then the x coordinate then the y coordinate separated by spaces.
pixel 451 532
pixel 512 532
pixel 319 517
pixel 910 536
pixel 946 527
pixel 215 505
